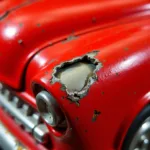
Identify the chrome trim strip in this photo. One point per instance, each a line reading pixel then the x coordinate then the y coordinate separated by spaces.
pixel 8 141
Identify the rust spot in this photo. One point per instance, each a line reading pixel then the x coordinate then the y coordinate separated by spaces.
pixel 117 74
pixel 20 24
pixel 38 24
pixel 62 97
pixel 95 115
pixel 43 30
pixel 126 48
pixel 102 92
pixel 77 75
pixel 20 148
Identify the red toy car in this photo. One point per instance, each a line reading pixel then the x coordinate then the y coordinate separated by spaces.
pixel 75 74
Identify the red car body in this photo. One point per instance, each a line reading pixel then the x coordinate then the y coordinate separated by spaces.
pixel 38 35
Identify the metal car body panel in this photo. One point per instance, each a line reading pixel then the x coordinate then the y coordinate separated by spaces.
pixel 25 37
pixel 120 33
pixel 119 88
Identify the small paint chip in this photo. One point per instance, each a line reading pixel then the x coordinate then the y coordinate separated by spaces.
pixel 38 24
pixel 77 118
pixel 20 41
pixel 117 74
pixel 43 30
pixel 102 92
pixel 20 24
pixel 95 115
pixel 63 97
pixel 126 48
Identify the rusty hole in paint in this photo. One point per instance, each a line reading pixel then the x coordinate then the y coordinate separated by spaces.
pixel 95 115
pixel 77 75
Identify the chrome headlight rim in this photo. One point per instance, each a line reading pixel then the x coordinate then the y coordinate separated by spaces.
pixel 48 108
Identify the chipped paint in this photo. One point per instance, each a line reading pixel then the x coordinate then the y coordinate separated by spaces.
pixel 28 2
pixel 102 92
pixel 77 75
pixel 126 48
pixel 20 24
pixel 95 115
pixel 4 15
pixel 70 38
pixel 20 41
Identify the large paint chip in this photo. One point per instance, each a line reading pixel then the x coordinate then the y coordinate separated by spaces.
pixel 77 75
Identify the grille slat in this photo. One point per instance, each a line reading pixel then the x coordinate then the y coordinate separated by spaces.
pixel 24 115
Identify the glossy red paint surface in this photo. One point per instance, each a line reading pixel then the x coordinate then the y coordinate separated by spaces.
pixel 34 25
pixel 120 30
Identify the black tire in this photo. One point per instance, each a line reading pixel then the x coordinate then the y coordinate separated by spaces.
pixel 142 116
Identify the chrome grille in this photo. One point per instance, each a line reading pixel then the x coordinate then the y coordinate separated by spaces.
pixel 8 141
pixel 24 115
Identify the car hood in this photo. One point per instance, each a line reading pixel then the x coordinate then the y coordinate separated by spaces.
pixel 26 27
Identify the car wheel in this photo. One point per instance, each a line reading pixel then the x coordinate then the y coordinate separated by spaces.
pixel 138 135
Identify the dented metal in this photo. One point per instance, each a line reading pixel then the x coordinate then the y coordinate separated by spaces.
pixel 77 75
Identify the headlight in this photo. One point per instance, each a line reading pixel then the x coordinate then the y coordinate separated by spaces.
pixel 49 109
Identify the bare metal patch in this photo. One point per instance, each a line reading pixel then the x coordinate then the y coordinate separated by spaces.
pixel 77 75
